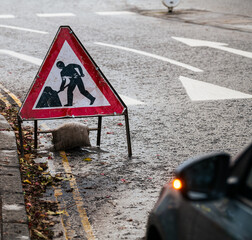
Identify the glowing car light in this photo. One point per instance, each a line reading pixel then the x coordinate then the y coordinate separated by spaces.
pixel 177 184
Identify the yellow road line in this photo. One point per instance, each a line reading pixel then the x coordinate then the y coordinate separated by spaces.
pixel 62 207
pixel 7 103
pixel 77 197
pixel 12 95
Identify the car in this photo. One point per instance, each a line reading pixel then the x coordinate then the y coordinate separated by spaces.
pixel 210 198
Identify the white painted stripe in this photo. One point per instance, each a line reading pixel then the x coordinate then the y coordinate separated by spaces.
pixel 55 15
pixel 6 16
pixel 194 69
pixel 216 45
pixel 22 29
pixel 202 91
pixel 115 13
pixel 130 101
pixel 235 51
pixel 13 207
pixel 21 56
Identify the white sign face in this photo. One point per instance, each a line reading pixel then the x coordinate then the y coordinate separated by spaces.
pixel 69 84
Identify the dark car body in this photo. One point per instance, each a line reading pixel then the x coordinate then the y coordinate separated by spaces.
pixel 215 201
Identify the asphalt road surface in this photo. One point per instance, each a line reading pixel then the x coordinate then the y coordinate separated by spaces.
pixel 185 97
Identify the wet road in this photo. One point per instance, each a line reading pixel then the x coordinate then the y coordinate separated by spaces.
pixel 184 98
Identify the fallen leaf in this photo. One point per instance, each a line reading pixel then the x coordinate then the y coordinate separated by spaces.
pixel 27 156
pixel 56 213
pixel 40 234
pixel 61 212
pixel 27 181
pixel 45 221
pixel 87 159
pixel 32 156
pixel 51 213
pixel 40 168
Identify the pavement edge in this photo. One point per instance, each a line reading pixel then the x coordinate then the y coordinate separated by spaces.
pixel 13 217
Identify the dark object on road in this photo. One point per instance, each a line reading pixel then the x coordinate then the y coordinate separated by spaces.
pixel 209 199
pixel 49 98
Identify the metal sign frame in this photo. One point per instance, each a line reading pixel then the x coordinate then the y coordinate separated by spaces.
pixel 122 110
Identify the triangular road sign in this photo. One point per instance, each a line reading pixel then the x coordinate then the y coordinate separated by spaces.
pixel 202 91
pixel 70 84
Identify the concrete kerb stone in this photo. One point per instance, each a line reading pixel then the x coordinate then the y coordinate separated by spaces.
pixel 4 125
pixel 12 231
pixel 13 219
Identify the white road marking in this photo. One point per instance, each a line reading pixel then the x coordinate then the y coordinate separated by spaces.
pixel 13 207
pixel 37 61
pixel 130 101
pixel 202 91
pixel 194 69
pixel 217 45
pixel 21 56
pixel 55 15
pixel 115 13
pixel 22 29
pixel 6 16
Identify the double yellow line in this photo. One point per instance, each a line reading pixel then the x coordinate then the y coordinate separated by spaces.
pixel 77 198
pixel 57 191
pixel 13 96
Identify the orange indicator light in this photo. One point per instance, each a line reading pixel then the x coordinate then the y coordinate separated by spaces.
pixel 177 184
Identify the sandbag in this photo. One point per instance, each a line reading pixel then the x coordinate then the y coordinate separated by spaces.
pixel 70 135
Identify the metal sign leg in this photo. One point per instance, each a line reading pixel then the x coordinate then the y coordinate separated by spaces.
pixel 36 134
pixel 128 134
pixel 20 136
pixel 98 143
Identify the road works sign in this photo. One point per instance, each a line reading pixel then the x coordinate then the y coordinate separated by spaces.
pixel 70 84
